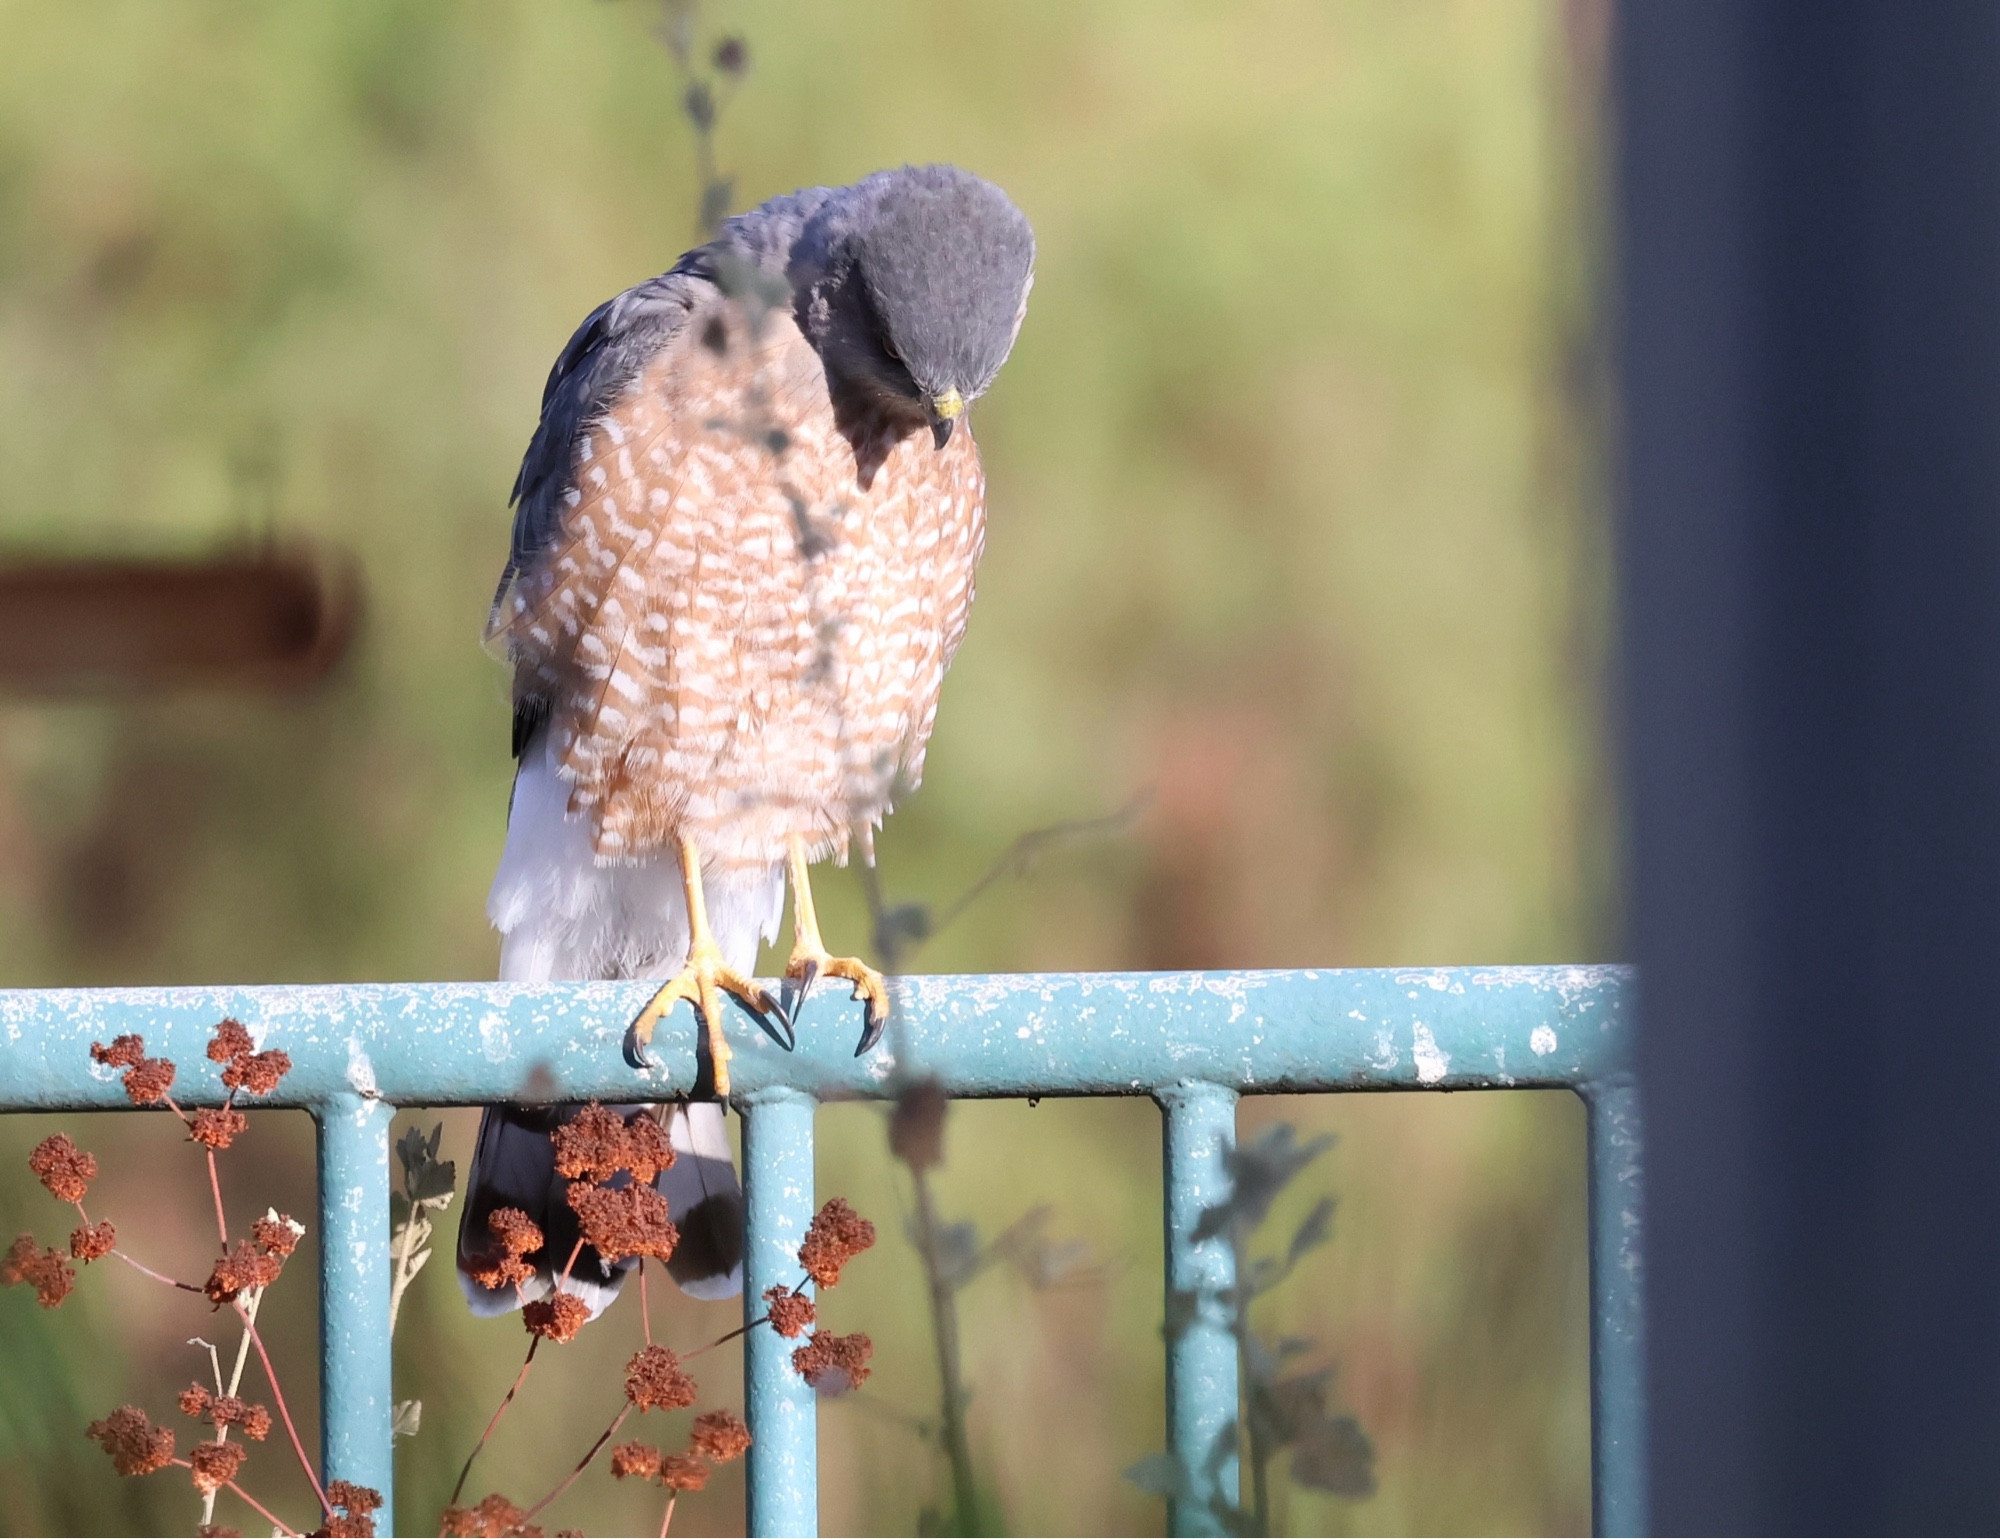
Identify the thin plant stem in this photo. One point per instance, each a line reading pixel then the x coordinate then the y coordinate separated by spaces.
pixel 401 1282
pixel 498 1411
pixel 158 1277
pixel 252 1297
pixel 215 1187
pixel 584 1463
pixel 944 1327
pixel 284 1412
pixel 262 1511
pixel 667 1522
pixel 645 1309
pixel 726 1338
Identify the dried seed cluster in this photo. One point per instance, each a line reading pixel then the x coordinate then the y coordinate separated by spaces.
pixel 596 1144
pixel 654 1381
pixel 64 1169
pixel 838 1234
pixel 136 1446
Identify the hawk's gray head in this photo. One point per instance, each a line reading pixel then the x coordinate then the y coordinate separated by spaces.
pixel 912 283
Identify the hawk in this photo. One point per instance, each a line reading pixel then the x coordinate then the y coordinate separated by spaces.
pixel 743 552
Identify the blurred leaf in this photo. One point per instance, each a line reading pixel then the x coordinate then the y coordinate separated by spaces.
pixel 916 1126
pixel 1258 1171
pixel 1290 1406
pixel 405 1418
pixel 1315 1231
pixel 1334 1454
pixel 1163 1474
pixel 1183 1309
pixel 436 1183
pixel 958 1253
pixel 732 56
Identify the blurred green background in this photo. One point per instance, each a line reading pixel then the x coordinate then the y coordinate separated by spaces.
pixel 1295 523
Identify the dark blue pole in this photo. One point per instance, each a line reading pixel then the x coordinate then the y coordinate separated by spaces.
pixel 1809 233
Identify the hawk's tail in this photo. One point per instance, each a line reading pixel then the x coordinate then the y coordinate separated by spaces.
pixel 513 1166
pixel 562 914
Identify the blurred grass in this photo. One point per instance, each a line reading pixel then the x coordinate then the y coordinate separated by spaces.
pixel 1292 521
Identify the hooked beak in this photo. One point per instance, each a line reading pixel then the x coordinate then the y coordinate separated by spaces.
pixel 946 408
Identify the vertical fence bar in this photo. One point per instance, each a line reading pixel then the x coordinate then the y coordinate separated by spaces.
pixel 1202 1391
pixel 783 1473
pixel 1617 1318
pixel 354 1374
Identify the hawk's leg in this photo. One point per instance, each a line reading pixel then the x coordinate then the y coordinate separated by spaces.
pixel 702 982
pixel 810 960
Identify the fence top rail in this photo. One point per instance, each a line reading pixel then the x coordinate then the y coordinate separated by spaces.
pixel 1022 1034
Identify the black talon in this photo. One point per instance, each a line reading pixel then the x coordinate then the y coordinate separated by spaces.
pixel 806 983
pixel 872 1033
pixel 635 1050
pixel 790 1040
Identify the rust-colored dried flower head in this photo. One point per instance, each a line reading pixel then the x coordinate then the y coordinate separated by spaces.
pixel 654 1381
pixel 277 1233
pixel 64 1169
pixel 136 1446
pixel 48 1272
pixel 624 1221
pixel 838 1234
pixel 683 1472
pixel 791 1313
pixel 215 1464
pixel 217 1531
pixel 519 1236
pixel 87 1242
pixel 834 1364
pixel 515 1230
pixel 230 1042
pixel 124 1052
pixel 148 1081
pixel 217 1126
pixel 257 1073
pixel 916 1127
pixel 648 1150
pixel 493 1518
pixel 559 1316
pixel 639 1461
pixel 195 1401
pixel 244 1267
pixel 720 1436
pixel 230 1411
pixel 505 1272
pixel 592 1145
pixel 359 1504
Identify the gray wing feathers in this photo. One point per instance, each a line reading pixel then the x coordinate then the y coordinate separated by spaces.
pixel 613 345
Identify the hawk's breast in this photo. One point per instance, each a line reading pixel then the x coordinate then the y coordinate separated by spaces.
pixel 742 633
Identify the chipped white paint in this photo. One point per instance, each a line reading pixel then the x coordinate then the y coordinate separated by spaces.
pixel 495 1041
pixel 1432 1062
pixel 1543 1040
pixel 360 1072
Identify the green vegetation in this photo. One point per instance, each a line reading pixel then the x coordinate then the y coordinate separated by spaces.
pixel 1292 522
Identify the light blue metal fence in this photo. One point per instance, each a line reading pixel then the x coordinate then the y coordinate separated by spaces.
pixel 1194 1042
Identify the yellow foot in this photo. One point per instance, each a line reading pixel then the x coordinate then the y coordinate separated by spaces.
pixel 809 964
pixel 702 983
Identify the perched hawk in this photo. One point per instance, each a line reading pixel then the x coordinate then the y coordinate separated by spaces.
pixel 742 558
